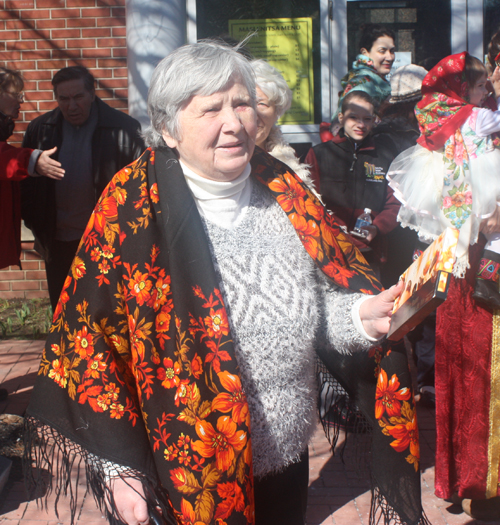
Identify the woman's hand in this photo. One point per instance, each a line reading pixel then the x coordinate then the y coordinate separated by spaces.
pixel 375 313
pixel 49 167
pixel 491 224
pixel 130 501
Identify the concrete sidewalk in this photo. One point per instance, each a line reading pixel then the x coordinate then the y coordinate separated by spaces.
pixel 337 495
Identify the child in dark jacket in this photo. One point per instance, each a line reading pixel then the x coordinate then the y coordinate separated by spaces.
pixel 349 172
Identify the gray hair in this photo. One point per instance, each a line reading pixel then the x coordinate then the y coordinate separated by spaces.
pixel 273 85
pixel 202 69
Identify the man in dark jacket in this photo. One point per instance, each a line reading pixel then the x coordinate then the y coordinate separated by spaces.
pixel 93 142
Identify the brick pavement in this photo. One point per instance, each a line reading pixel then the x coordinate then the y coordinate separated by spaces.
pixel 337 494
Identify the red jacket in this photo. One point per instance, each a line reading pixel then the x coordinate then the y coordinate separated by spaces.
pixel 13 168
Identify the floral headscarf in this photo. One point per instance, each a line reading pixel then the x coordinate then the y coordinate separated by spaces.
pixel 444 106
pixel 364 77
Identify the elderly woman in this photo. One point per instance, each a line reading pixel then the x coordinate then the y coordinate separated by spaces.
pixel 180 364
pixel 274 99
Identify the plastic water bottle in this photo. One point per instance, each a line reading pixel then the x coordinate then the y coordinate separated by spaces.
pixel 365 219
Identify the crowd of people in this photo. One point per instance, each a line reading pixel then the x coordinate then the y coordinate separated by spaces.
pixel 201 274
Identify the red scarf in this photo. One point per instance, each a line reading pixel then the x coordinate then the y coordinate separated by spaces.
pixel 444 106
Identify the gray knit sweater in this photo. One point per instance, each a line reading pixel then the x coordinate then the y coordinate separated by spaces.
pixel 280 308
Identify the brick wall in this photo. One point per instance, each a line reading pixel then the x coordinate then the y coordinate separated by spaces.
pixel 39 37
pixel 28 283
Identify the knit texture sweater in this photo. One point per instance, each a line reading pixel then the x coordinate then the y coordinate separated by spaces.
pixel 280 307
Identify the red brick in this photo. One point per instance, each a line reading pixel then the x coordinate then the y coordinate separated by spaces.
pixel 20 4
pixel 112 2
pixel 49 3
pixel 66 33
pixel 35 14
pixel 97 53
pixel 66 53
pixel 96 32
pixel 36 55
pixel 4 285
pixel 89 63
pixel 44 85
pixel 11 275
pixel 113 62
pixel 25 285
pixel 118 11
pixel 52 64
pixel 81 3
pixel 119 31
pixel 21 44
pixel 26 246
pixel 96 12
pixel 111 42
pixel 80 22
pixel 9 295
pixel 81 43
pixel 31 265
pixel 114 83
pixel 35 275
pixel 65 13
pixel 47 106
pixel 18 24
pixel 50 24
pixel 29 85
pixel 37 75
pixel 11 55
pixel 9 35
pixel 31 34
pixel 36 295
pixel 44 285
pixel 106 22
pixel 120 52
pixel 120 72
pixel 44 95
pixel 9 14
pixel 102 73
pixel 22 65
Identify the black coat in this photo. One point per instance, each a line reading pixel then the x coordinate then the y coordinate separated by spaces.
pixel 116 142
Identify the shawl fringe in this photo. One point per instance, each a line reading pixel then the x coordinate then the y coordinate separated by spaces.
pixel 382 513
pixel 50 461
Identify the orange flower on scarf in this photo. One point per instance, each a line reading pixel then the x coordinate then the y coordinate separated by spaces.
pixel 233 400
pixel 292 194
pixel 406 435
pixel 217 323
pixel 139 286
pixel 221 442
pixel 388 397
pixel 169 376
pixel 307 231
pixel 105 211
pixel 84 346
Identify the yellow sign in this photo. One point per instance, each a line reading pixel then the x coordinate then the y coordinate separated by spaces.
pixel 286 43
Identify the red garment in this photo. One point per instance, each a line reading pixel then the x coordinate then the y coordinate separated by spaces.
pixel 463 376
pixel 13 168
pixel 445 102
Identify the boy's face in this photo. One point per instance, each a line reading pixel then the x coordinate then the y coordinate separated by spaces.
pixel 358 119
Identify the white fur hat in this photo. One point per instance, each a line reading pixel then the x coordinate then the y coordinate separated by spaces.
pixel 406 83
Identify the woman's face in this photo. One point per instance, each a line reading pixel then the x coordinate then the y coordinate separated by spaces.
pixel 217 133
pixel 10 102
pixel 382 54
pixel 479 92
pixel 266 117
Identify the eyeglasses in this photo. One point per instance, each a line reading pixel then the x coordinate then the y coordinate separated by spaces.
pixel 19 96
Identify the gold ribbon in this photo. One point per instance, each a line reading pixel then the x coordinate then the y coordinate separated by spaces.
pixel 494 413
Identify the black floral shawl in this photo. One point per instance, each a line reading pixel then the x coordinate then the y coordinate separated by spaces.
pixel 139 368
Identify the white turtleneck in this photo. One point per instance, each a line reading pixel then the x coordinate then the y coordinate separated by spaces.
pixel 222 202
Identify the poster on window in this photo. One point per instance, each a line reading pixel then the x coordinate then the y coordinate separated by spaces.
pixel 286 43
